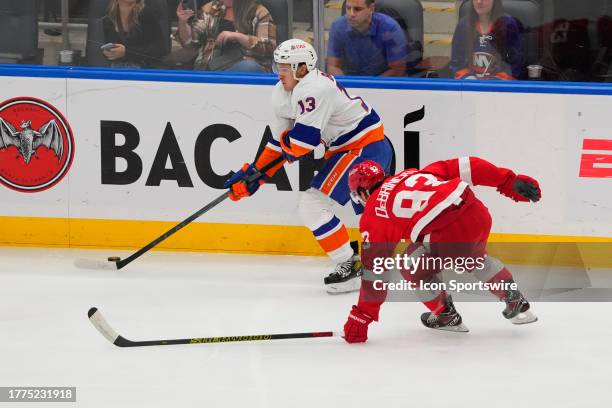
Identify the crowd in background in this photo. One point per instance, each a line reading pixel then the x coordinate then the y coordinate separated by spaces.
pixel 367 39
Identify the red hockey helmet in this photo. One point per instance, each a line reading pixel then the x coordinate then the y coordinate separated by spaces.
pixel 365 175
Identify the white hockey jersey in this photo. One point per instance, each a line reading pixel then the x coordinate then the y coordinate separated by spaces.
pixel 320 110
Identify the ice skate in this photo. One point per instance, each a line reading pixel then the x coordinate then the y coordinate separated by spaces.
pixel 346 277
pixel 517 309
pixel 448 320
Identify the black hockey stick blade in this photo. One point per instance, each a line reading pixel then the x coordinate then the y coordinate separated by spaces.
pixel 96 318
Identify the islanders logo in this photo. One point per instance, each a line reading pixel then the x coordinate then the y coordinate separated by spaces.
pixel 36 145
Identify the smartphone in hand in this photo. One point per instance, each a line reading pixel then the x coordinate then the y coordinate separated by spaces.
pixel 107 46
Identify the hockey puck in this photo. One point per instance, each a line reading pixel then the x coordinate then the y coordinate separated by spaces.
pixel 113 259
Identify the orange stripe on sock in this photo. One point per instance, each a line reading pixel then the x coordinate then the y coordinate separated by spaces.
pixel 336 173
pixel 335 240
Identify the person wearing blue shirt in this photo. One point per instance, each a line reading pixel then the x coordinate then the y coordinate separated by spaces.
pixel 363 42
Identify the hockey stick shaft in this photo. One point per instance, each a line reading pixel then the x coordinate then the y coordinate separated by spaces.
pixel 98 321
pixel 123 262
pixel 123 342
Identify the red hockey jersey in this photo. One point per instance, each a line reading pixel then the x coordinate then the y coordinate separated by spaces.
pixel 408 202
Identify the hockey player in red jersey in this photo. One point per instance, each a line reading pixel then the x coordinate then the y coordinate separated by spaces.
pixel 430 208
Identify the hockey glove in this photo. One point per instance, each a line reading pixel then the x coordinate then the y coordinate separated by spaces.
pixel 286 147
pixel 238 182
pixel 289 157
pixel 356 326
pixel 521 188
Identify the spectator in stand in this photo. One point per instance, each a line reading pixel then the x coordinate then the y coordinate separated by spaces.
pixel 134 32
pixel 486 43
pixel 229 35
pixel 364 42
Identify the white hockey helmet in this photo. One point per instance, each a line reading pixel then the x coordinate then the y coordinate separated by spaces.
pixel 296 52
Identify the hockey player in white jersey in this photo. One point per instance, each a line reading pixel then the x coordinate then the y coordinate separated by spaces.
pixel 312 109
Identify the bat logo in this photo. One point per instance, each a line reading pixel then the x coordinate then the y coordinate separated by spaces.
pixel 28 140
pixel 36 145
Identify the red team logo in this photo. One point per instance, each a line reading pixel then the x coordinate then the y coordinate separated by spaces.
pixel 36 145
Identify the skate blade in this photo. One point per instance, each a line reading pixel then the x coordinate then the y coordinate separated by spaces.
pixel 462 328
pixel 524 318
pixel 351 285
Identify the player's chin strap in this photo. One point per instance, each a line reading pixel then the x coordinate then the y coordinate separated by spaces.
pixel 357 199
pixel 295 72
pixel 294 68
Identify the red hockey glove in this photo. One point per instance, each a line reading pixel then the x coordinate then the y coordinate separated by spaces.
pixel 356 326
pixel 238 185
pixel 521 188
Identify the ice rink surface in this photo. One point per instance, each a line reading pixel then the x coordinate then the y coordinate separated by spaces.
pixel 563 360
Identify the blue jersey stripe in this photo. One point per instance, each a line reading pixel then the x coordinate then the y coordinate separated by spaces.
pixel 365 123
pixel 306 134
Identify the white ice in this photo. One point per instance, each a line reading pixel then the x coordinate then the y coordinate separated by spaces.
pixel 564 360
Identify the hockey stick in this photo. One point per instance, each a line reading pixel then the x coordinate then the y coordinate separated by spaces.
pixel 96 318
pixel 118 263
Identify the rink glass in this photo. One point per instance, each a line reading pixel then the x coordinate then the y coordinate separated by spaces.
pixel 567 38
